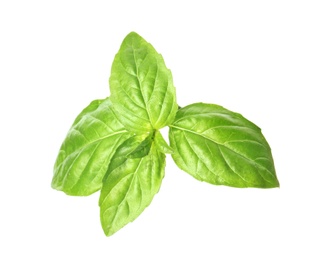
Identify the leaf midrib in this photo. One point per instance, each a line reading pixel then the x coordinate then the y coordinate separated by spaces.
pixel 140 83
pixel 132 175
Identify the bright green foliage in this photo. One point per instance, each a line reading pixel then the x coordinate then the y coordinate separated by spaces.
pixel 129 188
pixel 115 144
pixel 142 90
pixel 221 147
pixel 87 150
pixel 161 144
pixel 142 149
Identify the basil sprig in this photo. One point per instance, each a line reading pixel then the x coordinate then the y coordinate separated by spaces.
pixel 115 145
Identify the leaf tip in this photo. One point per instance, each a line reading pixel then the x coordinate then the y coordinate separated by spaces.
pixel 132 36
pixel 277 184
pixel 54 184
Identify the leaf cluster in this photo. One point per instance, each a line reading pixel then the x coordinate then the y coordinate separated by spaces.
pixel 115 146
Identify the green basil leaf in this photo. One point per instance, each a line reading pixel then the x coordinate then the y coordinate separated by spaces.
pixel 86 152
pixel 142 149
pixel 122 152
pixel 129 187
pixel 90 108
pixel 142 90
pixel 221 147
pixel 161 144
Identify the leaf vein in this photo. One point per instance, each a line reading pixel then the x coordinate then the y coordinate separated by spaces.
pixel 81 148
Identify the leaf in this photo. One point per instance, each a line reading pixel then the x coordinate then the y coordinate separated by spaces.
pixel 115 144
pixel 86 152
pixel 90 108
pixel 161 144
pixel 129 187
pixel 142 149
pixel 142 90
pixel 221 147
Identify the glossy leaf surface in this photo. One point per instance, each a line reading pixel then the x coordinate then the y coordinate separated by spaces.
pixel 221 147
pixel 142 90
pixel 129 187
pixel 161 144
pixel 142 149
pixel 87 149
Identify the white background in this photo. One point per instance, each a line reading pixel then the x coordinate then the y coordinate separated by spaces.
pixel 262 59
